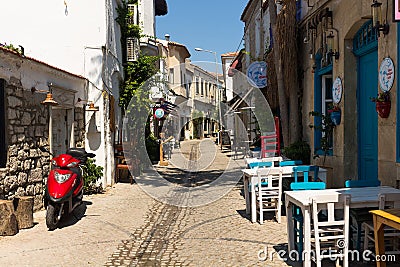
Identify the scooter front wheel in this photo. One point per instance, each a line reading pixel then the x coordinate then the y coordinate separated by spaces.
pixel 52 213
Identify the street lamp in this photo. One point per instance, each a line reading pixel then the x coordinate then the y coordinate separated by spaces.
pixel 216 84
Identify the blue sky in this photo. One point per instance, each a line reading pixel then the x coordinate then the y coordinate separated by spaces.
pixel 209 24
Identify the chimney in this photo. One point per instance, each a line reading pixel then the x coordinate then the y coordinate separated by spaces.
pixel 167 37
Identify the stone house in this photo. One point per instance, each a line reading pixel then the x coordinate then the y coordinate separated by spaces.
pixel 65 35
pixel 344 63
pixel 257 45
pixel 25 122
pixel 179 80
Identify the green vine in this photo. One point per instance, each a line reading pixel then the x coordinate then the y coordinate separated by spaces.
pixel 139 78
pixel 326 127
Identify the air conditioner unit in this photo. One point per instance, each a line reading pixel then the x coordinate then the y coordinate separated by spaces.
pixel 132 49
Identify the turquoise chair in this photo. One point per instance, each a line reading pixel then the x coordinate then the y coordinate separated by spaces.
pixel 296 212
pixel 290 163
pixel 307 186
pixel 260 164
pixel 358 216
pixel 306 169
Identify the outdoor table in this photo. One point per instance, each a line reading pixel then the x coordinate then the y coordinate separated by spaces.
pixel 389 217
pixel 269 159
pixel 361 197
pixel 250 178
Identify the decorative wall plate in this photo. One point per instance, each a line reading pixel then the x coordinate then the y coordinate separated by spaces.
pixel 257 74
pixel 337 89
pixel 386 74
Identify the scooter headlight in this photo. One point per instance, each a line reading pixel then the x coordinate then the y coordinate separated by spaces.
pixel 61 178
pixel 72 164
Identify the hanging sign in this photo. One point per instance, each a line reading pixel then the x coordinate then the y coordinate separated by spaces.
pixel 386 74
pixel 337 89
pixel 257 74
pixel 159 113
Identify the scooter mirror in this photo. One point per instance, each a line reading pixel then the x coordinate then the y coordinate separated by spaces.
pixel 90 155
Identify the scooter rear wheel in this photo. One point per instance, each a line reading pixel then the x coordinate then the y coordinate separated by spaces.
pixel 52 216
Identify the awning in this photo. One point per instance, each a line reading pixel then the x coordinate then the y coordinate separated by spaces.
pixel 236 64
pixel 234 68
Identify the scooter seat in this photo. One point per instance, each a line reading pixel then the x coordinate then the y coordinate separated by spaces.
pixel 78 153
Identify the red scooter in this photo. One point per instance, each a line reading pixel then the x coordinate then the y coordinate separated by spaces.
pixel 64 189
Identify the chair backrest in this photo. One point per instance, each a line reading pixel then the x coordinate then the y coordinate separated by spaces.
pixel 290 163
pixel 333 227
pixel 331 203
pixel 275 160
pixel 389 200
pixel 306 169
pixel 260 164
pixel 362 183
pixel 307 186
pixel 270 178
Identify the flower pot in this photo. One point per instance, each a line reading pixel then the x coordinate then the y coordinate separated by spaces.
pixel 336 117
pixel 383 109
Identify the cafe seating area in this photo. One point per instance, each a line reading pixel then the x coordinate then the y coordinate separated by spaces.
pixel 320 218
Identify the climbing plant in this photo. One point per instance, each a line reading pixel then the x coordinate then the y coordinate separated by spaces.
pixel 139 78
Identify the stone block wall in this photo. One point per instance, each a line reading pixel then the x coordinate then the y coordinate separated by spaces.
pixel 27 133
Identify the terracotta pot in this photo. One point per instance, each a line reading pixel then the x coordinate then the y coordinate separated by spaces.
pixel 383 109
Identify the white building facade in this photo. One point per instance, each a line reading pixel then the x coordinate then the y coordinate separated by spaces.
pixel 84 38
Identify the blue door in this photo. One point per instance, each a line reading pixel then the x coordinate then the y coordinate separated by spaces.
pixel 367 116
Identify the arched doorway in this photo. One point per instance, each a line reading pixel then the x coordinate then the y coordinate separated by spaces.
pixel 365 47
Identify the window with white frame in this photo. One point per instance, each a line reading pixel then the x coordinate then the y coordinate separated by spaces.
pixel 326 94
pixel 326 100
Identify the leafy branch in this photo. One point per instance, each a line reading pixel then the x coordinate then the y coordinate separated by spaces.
pixel 326 128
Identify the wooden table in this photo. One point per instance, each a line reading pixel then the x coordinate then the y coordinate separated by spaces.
pixel 361 197
pixel 389 217
pixel 250 179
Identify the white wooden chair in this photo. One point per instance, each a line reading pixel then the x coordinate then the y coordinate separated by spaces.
pixel 269 192
pixel 331 231
pixel 391 235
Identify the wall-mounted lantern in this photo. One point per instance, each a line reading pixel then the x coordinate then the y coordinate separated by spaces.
pixel 90 105
pixel 332 51
pixel 49 97
pixel 376 10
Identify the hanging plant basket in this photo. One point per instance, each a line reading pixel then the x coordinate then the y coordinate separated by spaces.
pixel 336 117
pixel 383 108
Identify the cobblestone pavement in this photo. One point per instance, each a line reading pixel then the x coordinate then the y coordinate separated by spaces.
pixel 218 234
pixel 126 227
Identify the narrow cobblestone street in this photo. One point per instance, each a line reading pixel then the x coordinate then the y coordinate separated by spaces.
pixel 126 227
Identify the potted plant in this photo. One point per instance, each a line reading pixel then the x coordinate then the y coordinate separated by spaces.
pixel 335 114
pixel 382 102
